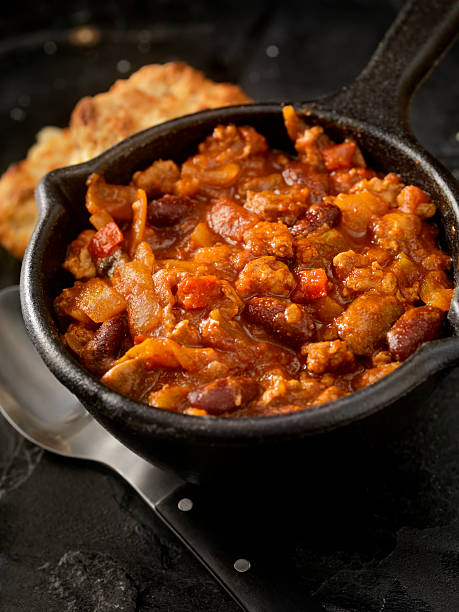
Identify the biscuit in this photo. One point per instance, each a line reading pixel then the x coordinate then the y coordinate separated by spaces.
pixel 153 94
pixel 18 211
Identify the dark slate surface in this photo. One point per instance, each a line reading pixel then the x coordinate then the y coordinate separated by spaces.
pixel 73 536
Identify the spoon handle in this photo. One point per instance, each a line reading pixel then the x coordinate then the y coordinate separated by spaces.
pixel 413 45
pixel 218 544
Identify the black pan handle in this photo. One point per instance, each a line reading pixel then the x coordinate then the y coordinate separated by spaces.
pixel 413 45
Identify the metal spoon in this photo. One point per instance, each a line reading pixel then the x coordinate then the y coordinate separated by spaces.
pixel 35 403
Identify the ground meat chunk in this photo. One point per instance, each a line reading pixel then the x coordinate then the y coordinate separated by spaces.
pixel 286 321
pixel 266 238
pixel 79 261
pixel 396 231
pixel 230 220
pixel 344 180
pixel 372 375
pixel 330 394
pixel 386 188
pixel 77 336
pixel 307 254
pixel 265 276
pixel 224 394
pixel 280 387
pixel 415 326
pixel 286 206
pixel 230 143
pixel 225 335
pixel 363 325
pixel 317 216
pixel 362 272
pixel 310 145
pixel 345 263
pixel 158 178
pixel 328 357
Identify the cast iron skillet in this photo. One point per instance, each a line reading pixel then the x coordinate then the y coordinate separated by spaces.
pixel 375 110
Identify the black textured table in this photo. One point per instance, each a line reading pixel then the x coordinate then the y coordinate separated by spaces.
pixel 73 536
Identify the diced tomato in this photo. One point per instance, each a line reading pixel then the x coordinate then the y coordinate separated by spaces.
pixel 104 240
pixel 196 291
pixel 311 285
pixel 338 156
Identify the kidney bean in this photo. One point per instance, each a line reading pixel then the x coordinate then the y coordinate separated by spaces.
pixel 316 216
pixel 169 209
pixel 415 326
pixel 366 321
pixel 224 394
pixel 99 353
pixel 284 320
pixel 229 219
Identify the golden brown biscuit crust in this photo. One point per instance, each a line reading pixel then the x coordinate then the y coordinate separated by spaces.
pixel 18 211
pixel 150 96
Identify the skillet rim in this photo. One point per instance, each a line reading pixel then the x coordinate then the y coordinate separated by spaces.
pixel 138 417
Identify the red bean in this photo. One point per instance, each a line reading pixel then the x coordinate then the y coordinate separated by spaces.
pixel 316 216
pixel 229 219
pixel 100 352
pixel 413 328
pixel 224 394
pixel 284 320
pixel 169 210
pixel 366 321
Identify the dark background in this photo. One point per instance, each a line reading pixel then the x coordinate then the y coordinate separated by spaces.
pixel 74 537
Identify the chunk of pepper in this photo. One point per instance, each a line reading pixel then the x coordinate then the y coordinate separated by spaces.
pixel 105 240
pixel 196 291
pixel 311 285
